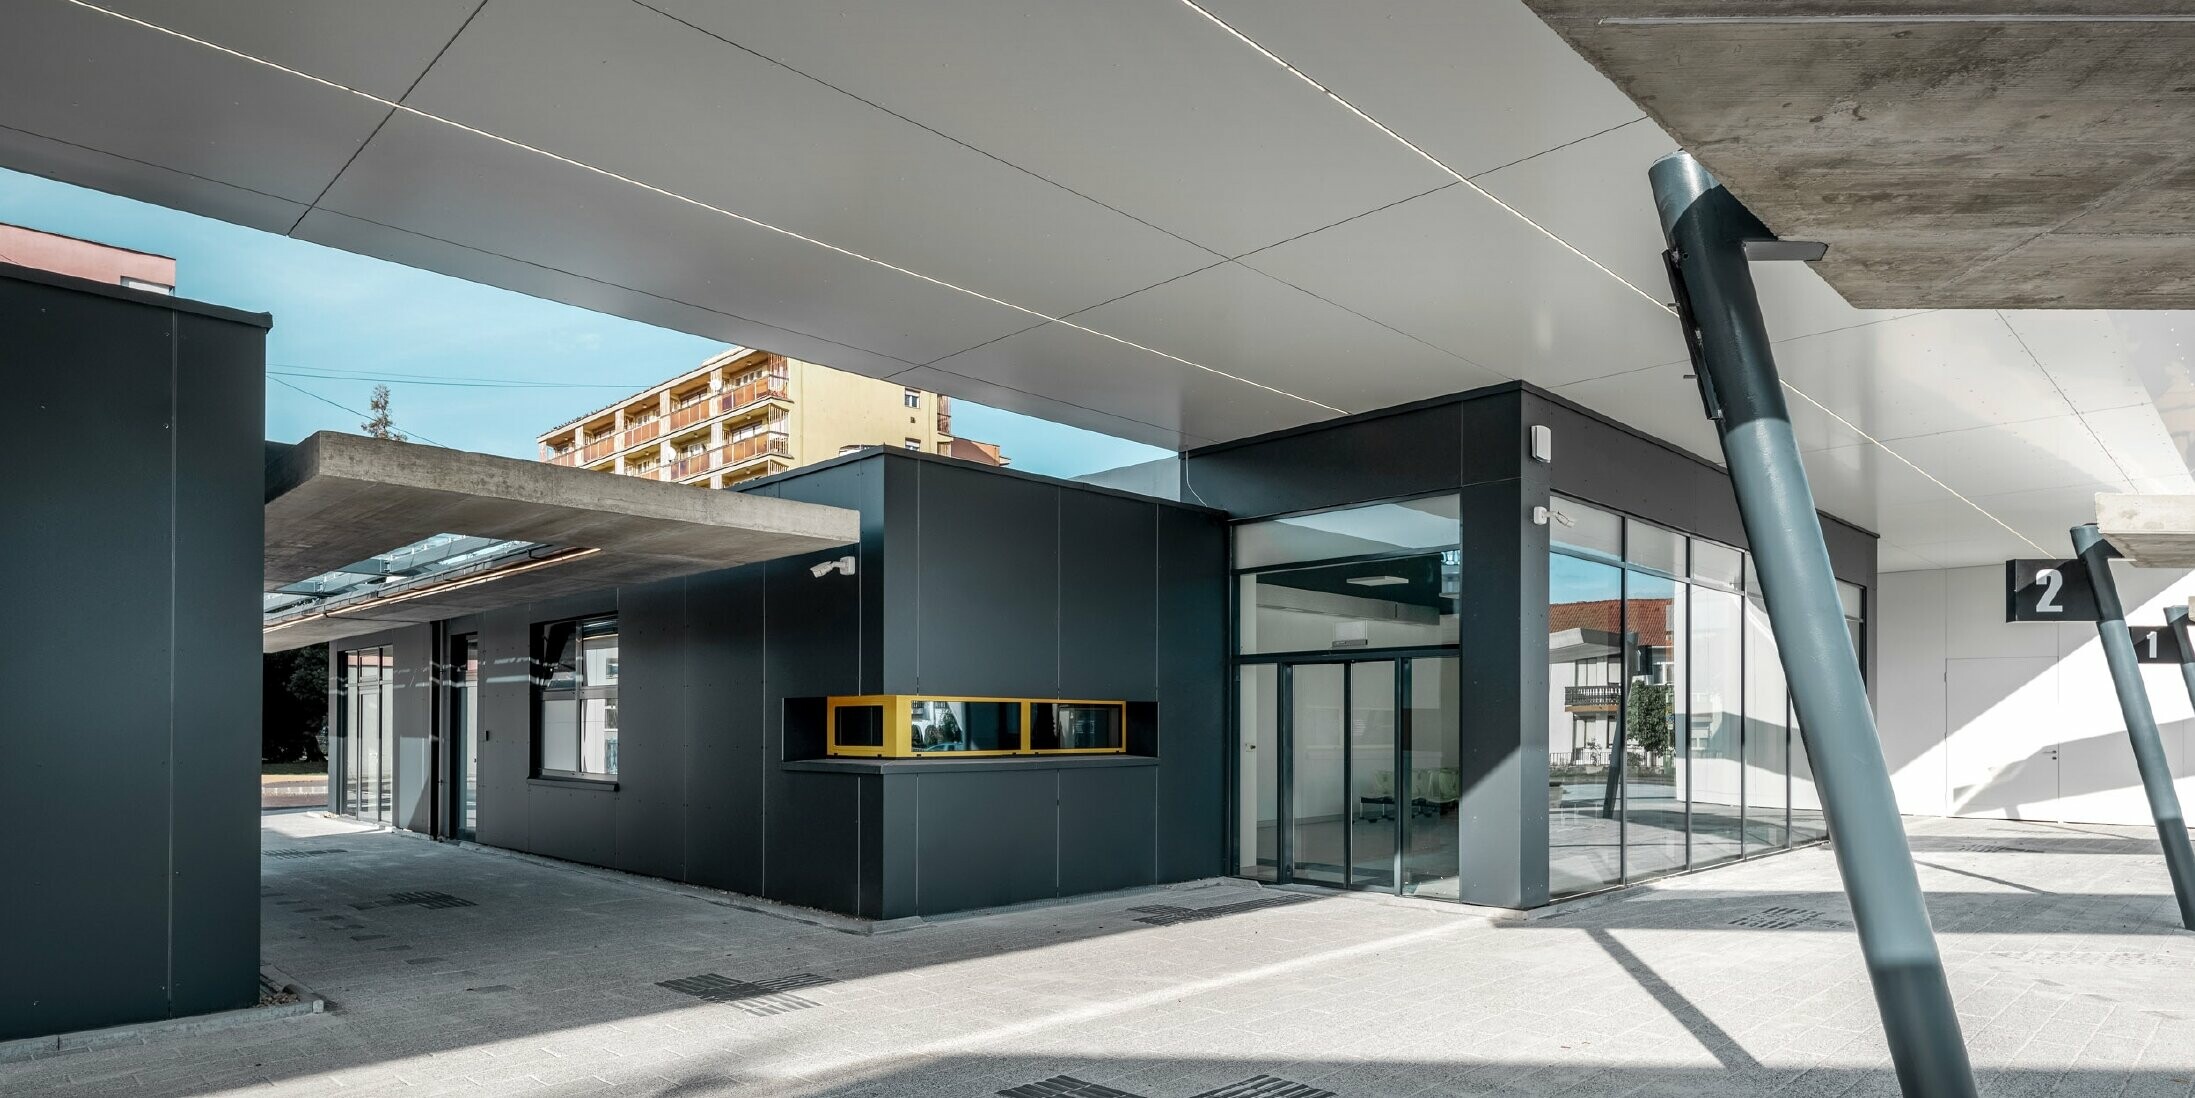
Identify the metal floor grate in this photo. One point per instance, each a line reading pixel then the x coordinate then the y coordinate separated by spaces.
pixel 429 900
pixel 1169 914
pixel 302 852
pixel 1256 1086
pixel 760 998
pixel 1995 848
pixel 1776 918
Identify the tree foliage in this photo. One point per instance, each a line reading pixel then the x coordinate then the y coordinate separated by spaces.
pixel 1650 717
pixel 293 723
pixel 381 425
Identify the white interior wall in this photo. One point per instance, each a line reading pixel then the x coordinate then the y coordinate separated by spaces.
pixel 1980 717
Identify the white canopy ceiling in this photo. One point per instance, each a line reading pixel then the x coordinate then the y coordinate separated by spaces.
pixel 1176 222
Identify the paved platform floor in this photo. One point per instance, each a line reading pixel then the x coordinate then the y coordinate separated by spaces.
pixel 466 972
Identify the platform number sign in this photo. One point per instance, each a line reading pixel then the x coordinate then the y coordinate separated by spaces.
pixel 2048 590
pixel 2155 643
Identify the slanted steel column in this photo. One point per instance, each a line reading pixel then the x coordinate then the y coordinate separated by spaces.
pixel 1708 231
pixel 2141 723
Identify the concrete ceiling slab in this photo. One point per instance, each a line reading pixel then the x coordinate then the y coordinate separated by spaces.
pixel 2152 531
pixel 1954 155
pixel 336 499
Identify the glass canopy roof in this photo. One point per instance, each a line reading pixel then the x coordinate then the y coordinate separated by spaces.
pixel 423 563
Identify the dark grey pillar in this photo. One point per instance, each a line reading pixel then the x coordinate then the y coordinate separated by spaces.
pixel 1707 230
pixel 2141 723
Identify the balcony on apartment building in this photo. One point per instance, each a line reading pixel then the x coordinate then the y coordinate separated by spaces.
pixel 770 386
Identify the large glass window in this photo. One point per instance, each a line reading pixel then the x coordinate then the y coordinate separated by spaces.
pixel 367 720
pixel 1394 602
pixel 1767 757
pixel 1585 675
pixel 1715 723
pixel 1433 756
pixel 1653 775
pixel 1374 530
pixel 1258 770
pixel 577 677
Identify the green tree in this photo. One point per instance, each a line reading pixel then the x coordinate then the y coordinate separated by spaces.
pixel 1650 718
pixel 381 425
pixel 293 698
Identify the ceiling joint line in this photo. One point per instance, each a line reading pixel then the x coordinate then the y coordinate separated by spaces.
pixel 651 188
pixel 2060 390
pixel 1932 478
pixel 1573 249
pixel 1429 158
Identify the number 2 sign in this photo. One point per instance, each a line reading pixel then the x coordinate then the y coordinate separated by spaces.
pixel 2048 590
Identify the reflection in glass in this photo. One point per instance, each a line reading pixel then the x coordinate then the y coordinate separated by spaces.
pixel 1585 680
pixel 1074 726
pixel 940 726
pixel 1584 528
pixel 1397 602
pixel 368 754
pixel 576 675
pixel 1315 723
pixel 1766 794
pixel 1432 757
pixel 1717 564
pixel 1807 821
pixel 1372 530
pixel 1715 722
pixel 1376 795
pixel 1258 793
pixel 1653 797
pixel 1653 547
pixel 465 714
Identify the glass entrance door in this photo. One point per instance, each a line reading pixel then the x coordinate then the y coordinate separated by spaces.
pixel 465 731
pixel 1325 790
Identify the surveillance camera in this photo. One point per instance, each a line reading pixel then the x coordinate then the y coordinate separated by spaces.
pixel 843 565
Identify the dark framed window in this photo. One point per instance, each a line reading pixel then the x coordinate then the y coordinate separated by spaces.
pixel 575 715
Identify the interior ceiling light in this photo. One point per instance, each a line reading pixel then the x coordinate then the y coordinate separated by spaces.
pixel 695 202
pixel 1377 581
pixel 1574 250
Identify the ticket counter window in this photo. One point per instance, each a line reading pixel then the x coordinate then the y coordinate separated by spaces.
pixel 1075 726
pixel 944 726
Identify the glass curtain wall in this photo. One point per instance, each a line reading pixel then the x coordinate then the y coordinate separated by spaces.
pixel 1348 745
pixel 1671 741
pixel 369 758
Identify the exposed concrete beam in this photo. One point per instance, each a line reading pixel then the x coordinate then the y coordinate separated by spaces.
pixel 1953 154
pixel 2152 531
pixel 335 499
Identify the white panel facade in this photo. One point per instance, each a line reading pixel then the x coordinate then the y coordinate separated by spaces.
pixel 1984 718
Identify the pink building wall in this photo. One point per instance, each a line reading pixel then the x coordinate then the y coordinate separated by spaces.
pixel 67 255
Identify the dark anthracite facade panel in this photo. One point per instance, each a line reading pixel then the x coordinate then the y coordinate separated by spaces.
pixel 999 584
pixel 131 805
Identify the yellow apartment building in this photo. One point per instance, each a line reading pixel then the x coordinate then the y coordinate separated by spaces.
pixel 745 414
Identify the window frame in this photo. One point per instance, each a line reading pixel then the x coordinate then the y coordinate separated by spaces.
pixel 579 694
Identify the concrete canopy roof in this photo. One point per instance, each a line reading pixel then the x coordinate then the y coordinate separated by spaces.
pixel 1176 222
pixel 1986 154
pixel 337 499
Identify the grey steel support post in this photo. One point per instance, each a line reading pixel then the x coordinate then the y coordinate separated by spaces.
pixel 1708 231
pixel 2141 723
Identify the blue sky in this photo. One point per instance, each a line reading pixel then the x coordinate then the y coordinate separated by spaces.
pixel 467 365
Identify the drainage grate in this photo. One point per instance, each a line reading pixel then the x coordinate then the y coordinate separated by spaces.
pixel 1266 1086
pixel 1168 914
pixel 301 852
pixel 1995 848
pixel 1776 918
pixel 430 900
pixel 1066 1086
pixel 759 998
pixel 1256 1086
